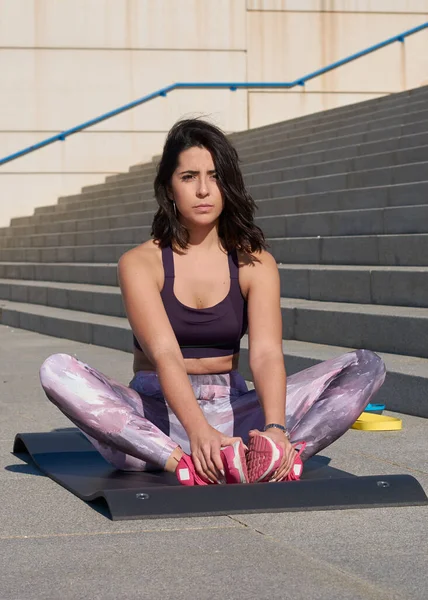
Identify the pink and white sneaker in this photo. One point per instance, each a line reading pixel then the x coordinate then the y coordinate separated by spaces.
pixel 263 458
pixel 235 463
pixel 187 474
pixel 297 468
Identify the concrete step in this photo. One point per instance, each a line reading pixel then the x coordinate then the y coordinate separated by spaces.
pixel 376 250
pixel 138 166
pixel 116 192
pixel 372 142
pixel 289 158
pixel 410 173
pixel 402 194
pixel 415 137
pixel 397 330
pixel 306 154
pixel 311 123
pixel 91 218
pixel 395 286
pixel 99 299
pixel 334 138
pixel 86 219
pixel 317 121
pixel 285 129
pixel 128 214
pixel 405 390
pixel 391 220
pixel 405 173
pixel 89 328
pixel 147 168
pixel 123 235
pixel 369 107
pixel 146 171
pixel 286 172
pixel 379 140
pixel 66 254
pixel 378 130
pixel 113 181
pixel 108 207
pixel 345 127
pixel 88 273
pixel 393 329
pixel 393 250
pixel 147 186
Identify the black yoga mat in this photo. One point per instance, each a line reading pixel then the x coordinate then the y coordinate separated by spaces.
pixel 68 458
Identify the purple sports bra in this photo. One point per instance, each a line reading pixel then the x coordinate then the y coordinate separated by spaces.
pixel 205 332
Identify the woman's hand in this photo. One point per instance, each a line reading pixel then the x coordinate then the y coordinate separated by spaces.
pixel 205 444
pixel 281 439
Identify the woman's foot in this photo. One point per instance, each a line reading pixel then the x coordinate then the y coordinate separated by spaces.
pixel 234 464
pixel 264 457
pixel 187 474
pixel 173 460
pixel 297 468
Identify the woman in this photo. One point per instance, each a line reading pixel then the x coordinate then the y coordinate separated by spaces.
pixel 190 293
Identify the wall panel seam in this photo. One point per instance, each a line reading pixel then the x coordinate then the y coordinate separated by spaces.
pixel 85 131
pixel 334 12
pixel 106 49
pixel 64 172
pixel 261 91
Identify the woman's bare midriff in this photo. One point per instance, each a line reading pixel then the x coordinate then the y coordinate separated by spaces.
pixel 194 366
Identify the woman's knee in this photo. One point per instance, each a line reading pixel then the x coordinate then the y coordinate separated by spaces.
pixel 372 362
pixel 53 367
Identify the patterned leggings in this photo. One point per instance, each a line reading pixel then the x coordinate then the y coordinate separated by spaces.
pixel 135 430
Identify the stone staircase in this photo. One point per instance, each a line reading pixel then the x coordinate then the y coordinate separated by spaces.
pixel 343 201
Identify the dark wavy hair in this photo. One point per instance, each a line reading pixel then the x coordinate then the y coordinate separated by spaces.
pixel 236 222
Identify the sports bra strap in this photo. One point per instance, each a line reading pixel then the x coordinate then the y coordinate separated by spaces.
pixel 233 264
pixel 168 263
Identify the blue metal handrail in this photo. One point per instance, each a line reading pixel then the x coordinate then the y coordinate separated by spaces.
pixel 232 86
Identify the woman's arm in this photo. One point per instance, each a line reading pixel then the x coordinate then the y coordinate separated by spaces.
pixel 266 358
pixel 152 328
pixel 150 324
pixel 265 337
pixel 270 382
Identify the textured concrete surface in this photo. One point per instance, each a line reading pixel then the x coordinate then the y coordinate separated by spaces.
pixel 53 545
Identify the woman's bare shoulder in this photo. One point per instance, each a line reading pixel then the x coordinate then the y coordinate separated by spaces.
pixel 250 265
pixel 247 259
pixel 147 256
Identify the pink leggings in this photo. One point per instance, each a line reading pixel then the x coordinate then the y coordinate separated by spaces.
pixel 135 430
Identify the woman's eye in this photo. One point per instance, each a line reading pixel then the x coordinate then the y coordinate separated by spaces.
pixel 188 177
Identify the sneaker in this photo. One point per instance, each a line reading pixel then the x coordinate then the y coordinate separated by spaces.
pixel 235 463
pixel 187 474
pixel 263 458
pixel 297 468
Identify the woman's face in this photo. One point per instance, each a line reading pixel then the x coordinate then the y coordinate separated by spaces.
pixel 195 188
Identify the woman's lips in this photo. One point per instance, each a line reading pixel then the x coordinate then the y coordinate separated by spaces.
pixel 203 207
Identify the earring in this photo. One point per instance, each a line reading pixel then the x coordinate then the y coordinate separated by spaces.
pixel 175 207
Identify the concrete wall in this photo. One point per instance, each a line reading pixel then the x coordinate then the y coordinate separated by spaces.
pixel 65 61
